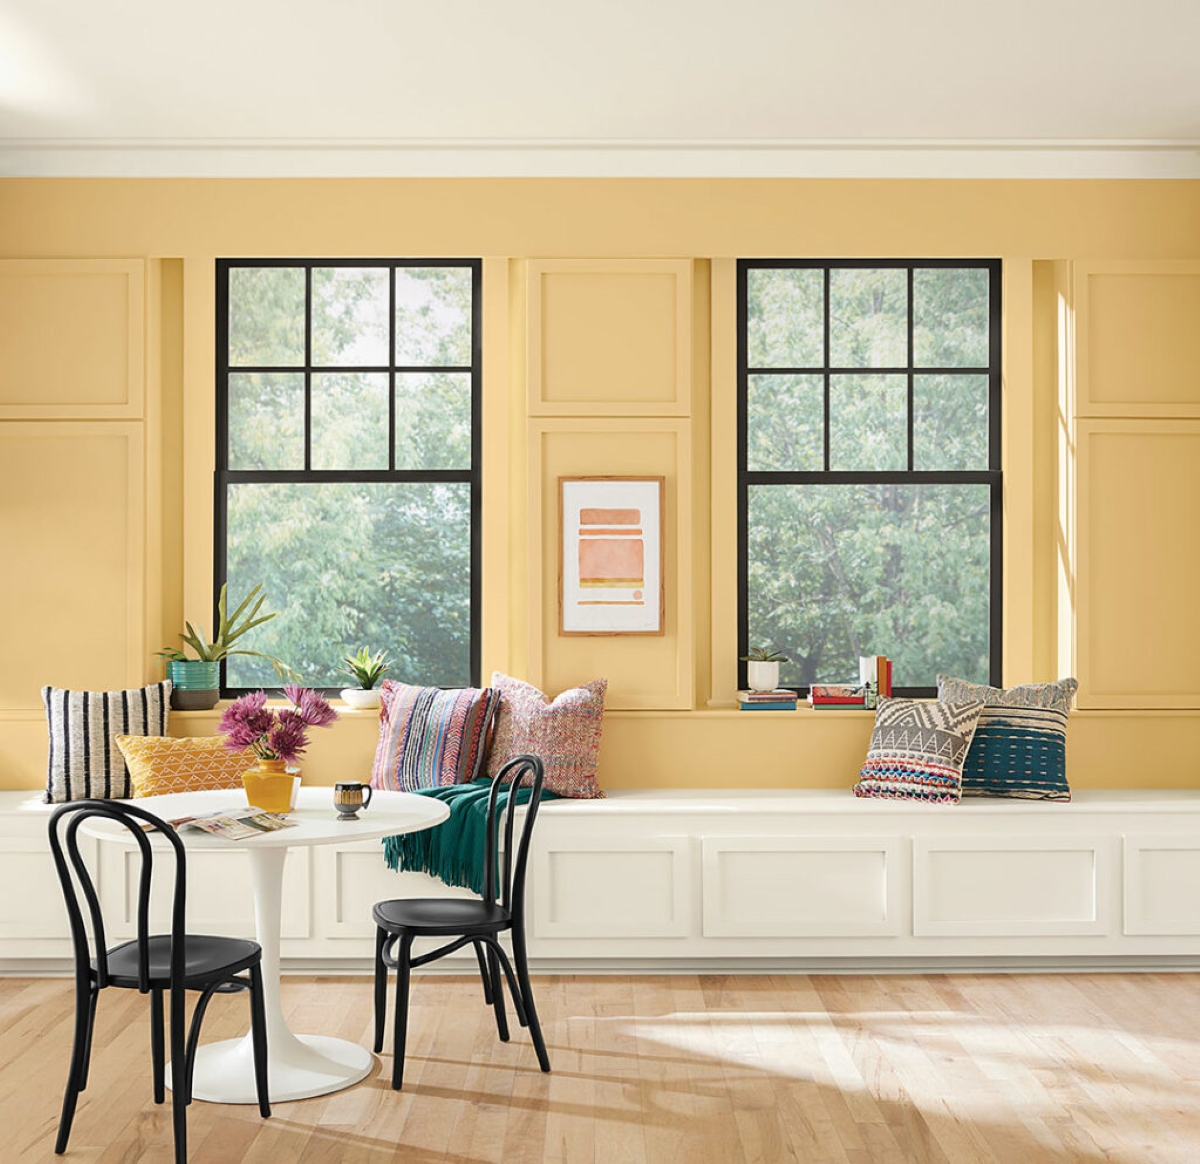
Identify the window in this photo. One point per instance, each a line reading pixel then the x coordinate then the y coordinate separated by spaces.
pixel 348 396
pixel 869 467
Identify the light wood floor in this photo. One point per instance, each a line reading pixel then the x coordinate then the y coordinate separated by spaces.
pixel 666 1070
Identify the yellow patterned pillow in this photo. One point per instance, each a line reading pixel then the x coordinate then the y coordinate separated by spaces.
pixel 159 764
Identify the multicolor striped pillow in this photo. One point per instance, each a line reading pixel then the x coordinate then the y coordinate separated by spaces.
pixel 1020 747
pixel 429 737
pixel 84 760
pixel 917 750
pixel 564 734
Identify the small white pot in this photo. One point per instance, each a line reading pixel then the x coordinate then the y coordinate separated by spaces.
pixel 762 676
pixel 361 697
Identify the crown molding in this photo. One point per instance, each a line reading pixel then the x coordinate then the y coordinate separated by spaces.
pixel 567 158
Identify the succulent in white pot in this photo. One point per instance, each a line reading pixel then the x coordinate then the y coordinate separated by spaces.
pixel 367 669
pixel 762 668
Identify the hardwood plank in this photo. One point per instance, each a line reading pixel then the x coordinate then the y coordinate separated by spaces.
pixel 682 1069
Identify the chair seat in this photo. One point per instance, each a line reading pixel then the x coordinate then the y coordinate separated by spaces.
pixel 440 915
pixel 205 958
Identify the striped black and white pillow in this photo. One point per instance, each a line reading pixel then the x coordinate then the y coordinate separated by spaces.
pixel 85 761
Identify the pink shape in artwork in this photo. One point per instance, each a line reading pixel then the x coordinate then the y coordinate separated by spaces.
pixel 611 562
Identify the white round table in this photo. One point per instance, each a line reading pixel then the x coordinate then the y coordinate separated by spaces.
pixel 299 1066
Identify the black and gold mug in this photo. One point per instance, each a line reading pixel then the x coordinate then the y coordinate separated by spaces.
pixel 349 798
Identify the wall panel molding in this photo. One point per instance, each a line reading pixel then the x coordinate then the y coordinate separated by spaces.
pixel 1138 555
pixel 1162 884
pixel 609 337
pixel 72 338
pixel 797 886
pixel 75 520
pixel 614 888
pixel 1015 886
pixel 1138 344
pixel 644 671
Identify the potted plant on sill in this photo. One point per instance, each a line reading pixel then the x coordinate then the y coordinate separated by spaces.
pixel 762 668
pixel 368 670
pixel 196 682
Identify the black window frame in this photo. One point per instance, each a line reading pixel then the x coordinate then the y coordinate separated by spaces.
pixel 223 476
pixel 992 476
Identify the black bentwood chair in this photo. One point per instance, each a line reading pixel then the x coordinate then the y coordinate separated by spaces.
pixel 150 963
pixel 478 923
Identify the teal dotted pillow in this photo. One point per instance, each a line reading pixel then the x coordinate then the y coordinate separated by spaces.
pixel 1020 745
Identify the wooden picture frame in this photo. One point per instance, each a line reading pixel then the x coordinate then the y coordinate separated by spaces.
pixel 610 556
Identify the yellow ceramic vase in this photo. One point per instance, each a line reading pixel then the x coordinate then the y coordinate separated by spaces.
pixel 269 786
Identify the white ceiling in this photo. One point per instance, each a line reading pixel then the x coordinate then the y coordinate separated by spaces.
pixel 720 87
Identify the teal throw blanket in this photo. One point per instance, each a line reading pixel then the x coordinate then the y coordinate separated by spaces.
pixel 453 850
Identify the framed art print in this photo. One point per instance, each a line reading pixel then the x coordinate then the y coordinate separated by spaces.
pixel 610 566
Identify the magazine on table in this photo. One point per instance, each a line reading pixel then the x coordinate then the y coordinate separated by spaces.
pixel 235 824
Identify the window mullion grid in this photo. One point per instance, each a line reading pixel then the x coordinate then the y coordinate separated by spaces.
pixel 828 361
pixel 911 475
pixel 743 460
pixel 392 275
pixel 909 376
pixel 994 357
pixel 220 564
pixel 308 273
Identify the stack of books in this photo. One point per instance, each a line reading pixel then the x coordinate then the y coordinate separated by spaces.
pixel 779 700
pixel 875 672
pixel 825 695
pixel 874 683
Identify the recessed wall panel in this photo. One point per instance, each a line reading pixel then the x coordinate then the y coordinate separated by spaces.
pixel 72 525
pixel 71 337
pixel 643 671
pixel 352 879
pixel 800 886
pixel 609 337
pixel 1139 555
pixel 1162 885
pixel 1139 343
pixel 37 910
pixel 1018 886
pixel 617 888
pixel 220 899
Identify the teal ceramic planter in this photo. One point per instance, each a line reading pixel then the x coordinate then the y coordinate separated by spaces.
pixel 196 685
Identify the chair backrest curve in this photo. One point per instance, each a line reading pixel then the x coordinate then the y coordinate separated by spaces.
pixel 519 771
pixel 76 881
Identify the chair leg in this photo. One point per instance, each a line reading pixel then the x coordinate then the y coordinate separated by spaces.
pixel 513 986
pixel 193 1041
pixel 258 1038
pixel 535 1027
pixel 400 1033
pixel 91 1027
pixel 76 1074
pixel 181 1083
pixel 381 938
pixel 483 974
pixel 497 994
pixel 157 1056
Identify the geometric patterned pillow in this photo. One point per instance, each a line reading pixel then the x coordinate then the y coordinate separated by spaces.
pixel 84 760
pixel 161 764
pixel 429 737
pixel 1020 746
pixel 564 734
pixel 917 750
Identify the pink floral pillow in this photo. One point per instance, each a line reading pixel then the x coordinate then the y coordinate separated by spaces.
pixel 565 733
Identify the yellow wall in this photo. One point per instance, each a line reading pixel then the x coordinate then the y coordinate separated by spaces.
pixel 106 435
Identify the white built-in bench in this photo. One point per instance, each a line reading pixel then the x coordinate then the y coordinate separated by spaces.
pixel 754 879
